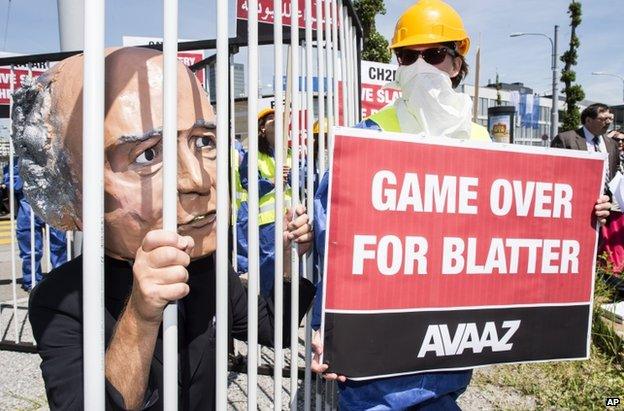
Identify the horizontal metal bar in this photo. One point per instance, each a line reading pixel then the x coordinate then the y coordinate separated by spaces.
pixel 17 347
pixel 241 368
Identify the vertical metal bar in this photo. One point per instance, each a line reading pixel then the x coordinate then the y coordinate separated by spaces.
pixel 221 372
pixel 309 192
pixel 234 160
pixel 351 71
pixel 356 74
pixel 93 206
pixel 253 201
pixel 68 243
pixel 330 73
pixel 47 249
pixel 359 78
pixel 278 339
pixel 328 395
pixel 334 35
pixel 348 64
pixel 12 206
pixel 295 138
pixel 343 64
pixel 170 191
pixel 321 86
pixel 33 251
pixel 318 394
pixel 279 207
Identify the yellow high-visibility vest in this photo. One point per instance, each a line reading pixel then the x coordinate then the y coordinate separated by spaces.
pixel 266 203
pixel 388 120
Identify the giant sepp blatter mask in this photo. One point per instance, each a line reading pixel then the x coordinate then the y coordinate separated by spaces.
pixel 47 128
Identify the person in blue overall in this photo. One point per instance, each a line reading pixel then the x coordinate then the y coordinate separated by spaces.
pixel 58 247
pixel 430 44
pixel 266 212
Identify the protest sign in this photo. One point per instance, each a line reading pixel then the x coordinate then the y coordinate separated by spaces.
pixel 446 254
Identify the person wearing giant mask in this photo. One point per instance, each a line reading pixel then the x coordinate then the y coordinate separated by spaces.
pixel 145 267
pixel 430 44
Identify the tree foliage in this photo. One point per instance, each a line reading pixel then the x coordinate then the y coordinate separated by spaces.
pixel 375 45
pixel 573 92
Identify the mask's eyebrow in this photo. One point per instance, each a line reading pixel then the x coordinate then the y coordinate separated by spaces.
pixel 211 125
pixel 134 138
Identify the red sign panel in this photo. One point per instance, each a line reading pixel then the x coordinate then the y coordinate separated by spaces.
pixel 458 234
pixel 266 12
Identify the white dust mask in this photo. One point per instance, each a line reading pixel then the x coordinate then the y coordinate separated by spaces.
pixel 429 104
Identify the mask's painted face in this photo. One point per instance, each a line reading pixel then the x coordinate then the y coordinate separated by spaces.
pixel 133 154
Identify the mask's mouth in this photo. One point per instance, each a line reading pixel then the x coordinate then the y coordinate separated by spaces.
pixel 200 220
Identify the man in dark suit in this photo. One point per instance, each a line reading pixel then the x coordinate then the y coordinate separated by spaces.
pixel 592 137
pixel 145 267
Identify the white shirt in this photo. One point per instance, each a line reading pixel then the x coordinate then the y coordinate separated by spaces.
pixel 589 138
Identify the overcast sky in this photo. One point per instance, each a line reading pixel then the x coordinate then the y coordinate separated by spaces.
pixel 33 28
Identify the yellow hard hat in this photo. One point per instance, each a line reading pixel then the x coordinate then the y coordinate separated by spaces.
pixel 429 22
pixel 317 126
pixel 265 112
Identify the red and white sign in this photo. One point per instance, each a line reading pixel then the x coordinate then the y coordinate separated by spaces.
pixel 434 235
pixel 374 77
pixel 266 12
pixel 188 58
pixel 19 75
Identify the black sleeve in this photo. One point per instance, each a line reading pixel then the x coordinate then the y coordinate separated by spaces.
pixel 55 314
pixel 266 310
pixel 59 342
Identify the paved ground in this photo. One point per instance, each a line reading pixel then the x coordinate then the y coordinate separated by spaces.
pixel 21 385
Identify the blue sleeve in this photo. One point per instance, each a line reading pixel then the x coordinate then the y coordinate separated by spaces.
pixel 368 124
pixel 16 177
pixel 242 263
pixel 320 229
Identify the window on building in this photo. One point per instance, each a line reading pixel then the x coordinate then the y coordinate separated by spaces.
pixel 483 106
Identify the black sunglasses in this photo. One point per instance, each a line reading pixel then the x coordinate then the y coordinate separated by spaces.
pixel 433 56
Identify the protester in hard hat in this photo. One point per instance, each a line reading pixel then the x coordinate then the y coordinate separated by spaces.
pixel 430 44
pixel 145 267
pixel 266 213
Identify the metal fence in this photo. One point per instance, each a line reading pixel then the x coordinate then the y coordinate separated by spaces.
pixel 328 54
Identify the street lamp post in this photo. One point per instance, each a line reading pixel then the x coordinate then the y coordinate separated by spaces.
pixel 554 112
pixel 602 73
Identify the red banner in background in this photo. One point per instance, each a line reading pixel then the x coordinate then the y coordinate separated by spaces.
pixel 266 13
pixel 447 254
pixel 19 75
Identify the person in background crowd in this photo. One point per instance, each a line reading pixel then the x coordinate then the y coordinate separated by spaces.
pixel 266 212
pixel 430 44
pixel 592 137
pixel 58 245
pixel 618 137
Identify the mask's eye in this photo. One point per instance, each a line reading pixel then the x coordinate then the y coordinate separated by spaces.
pixel 205 142
pixel 147 156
